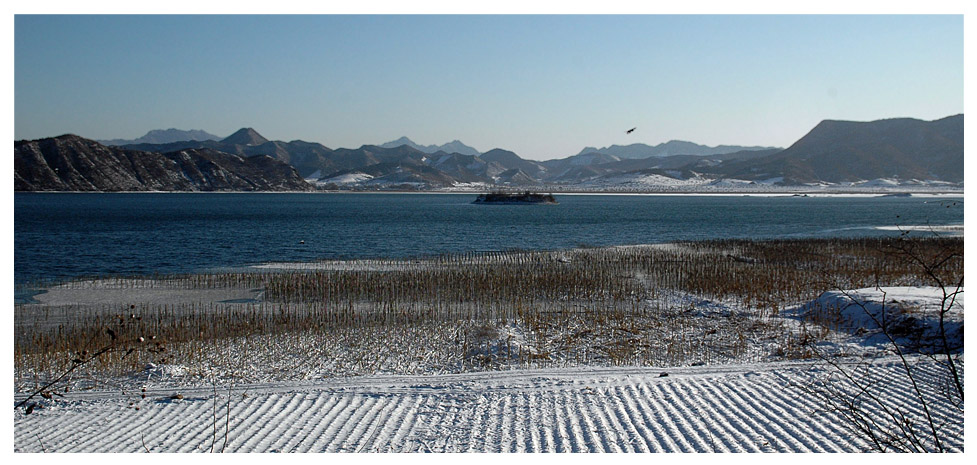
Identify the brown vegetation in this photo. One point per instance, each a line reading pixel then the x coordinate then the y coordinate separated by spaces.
pixel 695 302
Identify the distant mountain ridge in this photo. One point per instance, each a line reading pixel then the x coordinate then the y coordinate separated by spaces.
pixel 306 157
pixel 164 136
pixel 245 136
pixel 667 149
pixel 455 146
pixel 899 151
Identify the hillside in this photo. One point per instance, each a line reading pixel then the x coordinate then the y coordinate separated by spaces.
pixel 307 158
pixel 847 151
pixel 72 163
pixel 510 160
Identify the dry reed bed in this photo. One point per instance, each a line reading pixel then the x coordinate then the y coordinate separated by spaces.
pixel 696 302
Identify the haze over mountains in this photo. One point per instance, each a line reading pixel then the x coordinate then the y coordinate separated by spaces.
pixel 163 136
pixel 455 146
pixel 891 152
pixel 665 149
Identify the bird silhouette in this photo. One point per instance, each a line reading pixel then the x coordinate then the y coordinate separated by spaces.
pixel 631 130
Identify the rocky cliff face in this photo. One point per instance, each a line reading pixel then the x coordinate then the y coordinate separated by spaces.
pixel 72 163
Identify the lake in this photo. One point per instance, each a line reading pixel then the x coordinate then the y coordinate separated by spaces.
pixel 68 235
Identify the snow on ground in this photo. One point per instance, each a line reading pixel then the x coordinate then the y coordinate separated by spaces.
pixel 911 314
pixel 337 265
pixel 677 184
pixel 147 291
pixel 943 230
pixel 647 181
pixel 729 408
pixel 470 186
pixel 880 182
pixel 349 178
pixel 757 407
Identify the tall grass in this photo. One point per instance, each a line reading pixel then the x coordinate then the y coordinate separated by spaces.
pixel 691 302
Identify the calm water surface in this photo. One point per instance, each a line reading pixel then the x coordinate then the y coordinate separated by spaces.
pixel 58 236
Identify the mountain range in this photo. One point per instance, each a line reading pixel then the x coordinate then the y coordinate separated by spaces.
pixel 901 151
pixel 455 146
pixel 666 149
pixel 163 136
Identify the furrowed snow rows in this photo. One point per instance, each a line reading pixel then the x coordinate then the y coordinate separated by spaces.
pixel 748 408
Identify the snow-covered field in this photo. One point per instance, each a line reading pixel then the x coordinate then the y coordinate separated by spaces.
pixel 756 407
pixel 729 408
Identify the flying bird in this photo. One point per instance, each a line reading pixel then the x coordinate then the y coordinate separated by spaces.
pixel 631 130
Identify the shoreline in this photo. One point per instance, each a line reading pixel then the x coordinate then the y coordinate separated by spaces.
pixel 157 288
pixel 27 293
pixel 785 192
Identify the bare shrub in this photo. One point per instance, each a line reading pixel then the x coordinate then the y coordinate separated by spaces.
pixel 859 393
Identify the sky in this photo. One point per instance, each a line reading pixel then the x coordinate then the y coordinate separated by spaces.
pixel 542 86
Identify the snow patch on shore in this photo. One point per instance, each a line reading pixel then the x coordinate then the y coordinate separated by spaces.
pixel 910 314
pixel 944 230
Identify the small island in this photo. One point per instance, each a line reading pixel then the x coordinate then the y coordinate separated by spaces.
pixel 516 198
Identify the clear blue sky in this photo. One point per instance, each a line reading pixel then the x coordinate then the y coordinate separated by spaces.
pixel 541 86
